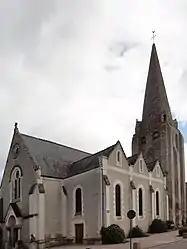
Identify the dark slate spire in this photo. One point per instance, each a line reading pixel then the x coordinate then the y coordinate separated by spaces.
pixel 156 105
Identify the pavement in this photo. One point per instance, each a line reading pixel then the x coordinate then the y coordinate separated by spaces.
pixel 169 240
pixel 176 245
pixel 156 240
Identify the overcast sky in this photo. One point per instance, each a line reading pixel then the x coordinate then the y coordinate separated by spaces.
pixel 62 77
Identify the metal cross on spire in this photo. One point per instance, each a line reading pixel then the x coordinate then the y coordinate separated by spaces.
pixel 153 37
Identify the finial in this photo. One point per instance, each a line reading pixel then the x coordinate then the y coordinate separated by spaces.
pixel 153 37
pixel 16 125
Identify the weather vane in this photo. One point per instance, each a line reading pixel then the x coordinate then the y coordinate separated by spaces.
pixel 153 37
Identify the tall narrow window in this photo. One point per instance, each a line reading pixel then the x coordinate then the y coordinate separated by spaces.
pixel 163 117
pixel 78 201
pixel 15 189
pixel 19 188
pixel 157 203
pixel 140 195
pixel 15 179
pixel 158 170
pixel 140 166
pixel 118 200
pixel 118 157
pixel 176 141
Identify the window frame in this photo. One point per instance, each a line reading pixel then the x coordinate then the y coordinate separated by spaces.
pixel 140 214
pixel 157 170
pixel 157 203
pixel 118 158
pixel 16 184
pixel 118 210
pixel 176 141
pixel 75 211
pixel 141 169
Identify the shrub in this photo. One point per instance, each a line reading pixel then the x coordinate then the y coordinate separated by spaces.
pixel 170 224
pixel 158 226
pixel 112 234
pixel 182 230
pixel 137 232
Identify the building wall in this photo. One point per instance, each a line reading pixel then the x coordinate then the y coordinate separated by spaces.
pixel 122 175
pixel 24 161
pixel 182 172
pixel 52 206
pixel 89 182
pixel 56 202
pixel 118 173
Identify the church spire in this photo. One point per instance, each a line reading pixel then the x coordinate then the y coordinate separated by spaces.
pixel 155 100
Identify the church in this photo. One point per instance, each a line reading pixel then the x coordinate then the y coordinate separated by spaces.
pixel 50 191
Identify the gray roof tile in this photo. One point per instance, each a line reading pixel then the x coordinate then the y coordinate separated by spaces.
pixel 132 159
pixel 89 162
pixel 52 158
pixel 59 161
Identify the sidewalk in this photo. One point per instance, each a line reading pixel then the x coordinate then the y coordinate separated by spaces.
pixel 158 239
pixel 146 242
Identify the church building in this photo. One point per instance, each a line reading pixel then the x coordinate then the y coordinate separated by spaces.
pixel 51 191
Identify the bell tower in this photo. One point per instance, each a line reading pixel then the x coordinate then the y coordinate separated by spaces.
pixel 158 137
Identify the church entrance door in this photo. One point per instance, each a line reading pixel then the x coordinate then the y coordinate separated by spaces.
pixel 79 233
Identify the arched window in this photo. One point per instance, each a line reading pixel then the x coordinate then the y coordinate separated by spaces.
pixel 140 165
pixel 163 117
pixel 118 157
pixel 16 184
pixel 176 141
pixel 78 201
pixel 118 200
pixel 157 203
pixel 140 198
pixel 158 170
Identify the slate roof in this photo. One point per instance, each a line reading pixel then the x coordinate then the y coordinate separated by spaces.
pixel 16 209
pixel 151 165
pixel 52 158
pixel 89 162
pixel 132 159
pixel 60 161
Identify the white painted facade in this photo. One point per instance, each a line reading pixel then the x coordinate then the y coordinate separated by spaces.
pixel 52 207
pixel 61 219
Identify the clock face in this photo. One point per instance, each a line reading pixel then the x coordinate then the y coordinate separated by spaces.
pixel 15 150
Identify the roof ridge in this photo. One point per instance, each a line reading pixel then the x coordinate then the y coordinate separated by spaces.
pixel 49 141
pixel 133 155
pixel 93 154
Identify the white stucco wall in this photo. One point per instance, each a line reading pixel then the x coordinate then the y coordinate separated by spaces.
pixel 52 206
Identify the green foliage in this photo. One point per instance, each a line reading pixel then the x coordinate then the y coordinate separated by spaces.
pixel 182 230
pixel 158 226
pixel 170 224
pixel 112 234
pixel 137 232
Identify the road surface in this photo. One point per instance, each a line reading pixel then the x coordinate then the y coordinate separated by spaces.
pixel 176 245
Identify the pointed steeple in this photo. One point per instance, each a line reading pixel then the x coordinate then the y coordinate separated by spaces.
pixel 156 102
